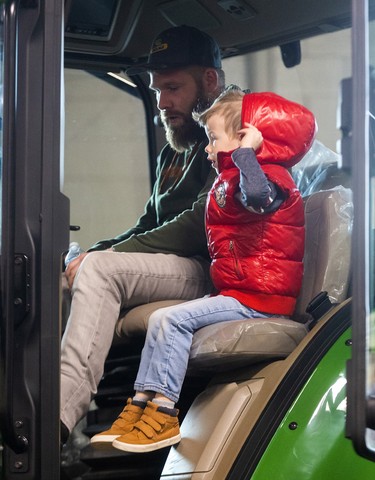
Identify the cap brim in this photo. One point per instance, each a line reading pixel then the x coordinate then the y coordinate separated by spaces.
pixel 137 69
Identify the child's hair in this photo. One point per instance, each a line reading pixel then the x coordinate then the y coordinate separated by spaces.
pixel 229 105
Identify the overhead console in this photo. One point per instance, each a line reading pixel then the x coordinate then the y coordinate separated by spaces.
pixel 100 26
pixel 89 20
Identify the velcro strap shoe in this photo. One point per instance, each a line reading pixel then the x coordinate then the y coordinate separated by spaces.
pixel 125 422
pixel 156 429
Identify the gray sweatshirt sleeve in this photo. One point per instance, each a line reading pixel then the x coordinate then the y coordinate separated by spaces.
pixel 257 192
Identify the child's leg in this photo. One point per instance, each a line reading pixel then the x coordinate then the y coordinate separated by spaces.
pixel 133 410
pixel 163 366
pixel 169 335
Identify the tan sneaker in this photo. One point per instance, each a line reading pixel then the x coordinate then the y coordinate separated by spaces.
pixel 124 424
pixel 156 429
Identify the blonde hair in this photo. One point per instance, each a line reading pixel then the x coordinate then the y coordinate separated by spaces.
pixel 229 106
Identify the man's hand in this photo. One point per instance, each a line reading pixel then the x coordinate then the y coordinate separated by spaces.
pixel 250 137
pixel 72 268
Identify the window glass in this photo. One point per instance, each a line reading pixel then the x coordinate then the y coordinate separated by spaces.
pixel 106 167
pixel 371 324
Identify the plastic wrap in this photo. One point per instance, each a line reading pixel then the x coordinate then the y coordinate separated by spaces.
pixel 319 170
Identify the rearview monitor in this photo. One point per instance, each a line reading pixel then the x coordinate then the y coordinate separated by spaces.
pixel 91 19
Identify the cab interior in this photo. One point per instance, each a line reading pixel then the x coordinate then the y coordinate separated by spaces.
pixel 242 376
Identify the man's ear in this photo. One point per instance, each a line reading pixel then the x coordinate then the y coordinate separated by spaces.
pixel 210 80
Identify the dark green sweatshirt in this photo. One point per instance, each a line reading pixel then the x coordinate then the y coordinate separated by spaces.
pixel 173 221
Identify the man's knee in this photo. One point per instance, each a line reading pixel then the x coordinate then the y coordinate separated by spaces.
pixel 97 263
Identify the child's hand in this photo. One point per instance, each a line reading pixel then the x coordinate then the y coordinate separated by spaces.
pixel 250 137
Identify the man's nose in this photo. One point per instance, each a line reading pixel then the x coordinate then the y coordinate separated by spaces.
pixel 208 149
pixel 164 101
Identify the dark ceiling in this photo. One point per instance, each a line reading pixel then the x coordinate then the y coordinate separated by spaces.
pixel 126 28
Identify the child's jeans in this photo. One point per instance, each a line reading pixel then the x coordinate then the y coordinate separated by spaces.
pixel 170 332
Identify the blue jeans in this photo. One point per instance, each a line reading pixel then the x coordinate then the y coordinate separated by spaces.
pixel 170 332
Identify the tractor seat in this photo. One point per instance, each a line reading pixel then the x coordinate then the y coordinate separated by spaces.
pixel 233 344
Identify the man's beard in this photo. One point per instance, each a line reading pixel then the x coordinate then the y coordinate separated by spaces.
pixel 184 136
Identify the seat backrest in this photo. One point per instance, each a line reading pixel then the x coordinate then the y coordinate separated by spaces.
pixel 328 220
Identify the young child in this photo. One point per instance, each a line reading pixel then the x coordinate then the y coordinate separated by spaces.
pixel 255 232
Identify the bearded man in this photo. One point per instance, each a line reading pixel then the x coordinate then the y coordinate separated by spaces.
pixel 164 256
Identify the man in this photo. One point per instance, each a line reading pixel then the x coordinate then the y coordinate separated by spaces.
pixel 165 255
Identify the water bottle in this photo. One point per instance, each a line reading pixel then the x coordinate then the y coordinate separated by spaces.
pixel 74 251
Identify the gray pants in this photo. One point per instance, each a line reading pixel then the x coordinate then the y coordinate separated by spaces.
pixel 107 283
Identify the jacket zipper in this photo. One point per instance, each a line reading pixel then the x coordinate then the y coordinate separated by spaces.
pixel 237 263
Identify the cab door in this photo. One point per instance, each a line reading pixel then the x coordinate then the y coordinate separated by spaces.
pixel 34 231
pixel 361 368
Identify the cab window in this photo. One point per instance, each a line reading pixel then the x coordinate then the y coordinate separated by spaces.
pixel 106 171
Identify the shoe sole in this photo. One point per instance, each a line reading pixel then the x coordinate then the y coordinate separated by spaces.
pixel 134 448
pixel 104 438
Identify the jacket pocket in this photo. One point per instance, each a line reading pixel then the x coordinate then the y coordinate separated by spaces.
pixel 236 261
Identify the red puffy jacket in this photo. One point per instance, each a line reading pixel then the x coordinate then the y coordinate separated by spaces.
pixel 257 259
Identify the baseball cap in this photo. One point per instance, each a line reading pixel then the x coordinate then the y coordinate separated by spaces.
pixel 179 47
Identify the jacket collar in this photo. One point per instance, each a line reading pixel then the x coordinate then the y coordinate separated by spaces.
pixel 224 161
